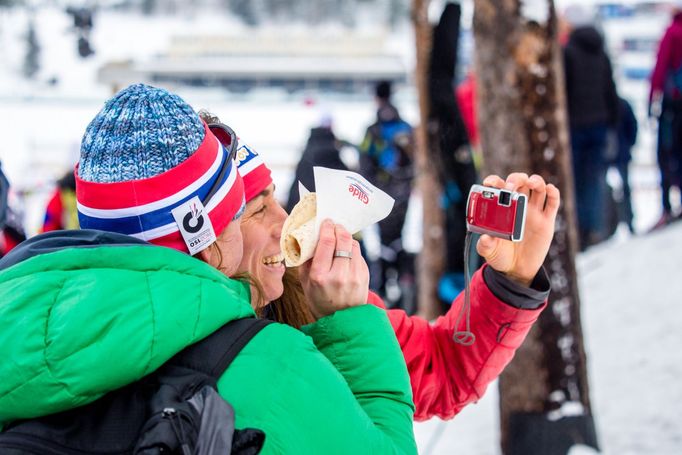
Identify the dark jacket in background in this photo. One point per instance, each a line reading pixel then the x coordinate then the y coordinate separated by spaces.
pixel 386 161
pixel 321 150
pixel 590 91
pixel 454 161
pixel 627 132
pixel 11 229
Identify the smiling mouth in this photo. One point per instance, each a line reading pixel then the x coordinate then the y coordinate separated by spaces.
pixel 275 260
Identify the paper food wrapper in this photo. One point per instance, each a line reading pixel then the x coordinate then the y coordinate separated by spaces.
pixel 344 197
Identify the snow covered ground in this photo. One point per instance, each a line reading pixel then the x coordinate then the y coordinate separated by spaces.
pixel 629 287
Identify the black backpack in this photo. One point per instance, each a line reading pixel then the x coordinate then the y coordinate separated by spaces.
pixel 175 410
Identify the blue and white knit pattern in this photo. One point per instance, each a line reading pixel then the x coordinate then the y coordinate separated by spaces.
pixel 153 220
pixel 142 132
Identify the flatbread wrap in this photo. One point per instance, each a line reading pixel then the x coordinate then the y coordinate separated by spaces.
pixel 299 239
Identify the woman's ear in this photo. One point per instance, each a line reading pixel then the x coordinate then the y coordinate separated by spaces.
pixel 206 255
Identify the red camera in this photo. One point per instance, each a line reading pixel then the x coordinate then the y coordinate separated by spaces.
pixel 496 212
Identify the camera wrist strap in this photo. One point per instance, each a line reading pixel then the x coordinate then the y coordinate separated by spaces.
pixel 465 337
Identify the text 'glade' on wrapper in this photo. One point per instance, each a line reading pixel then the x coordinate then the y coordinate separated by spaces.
pixel 344 197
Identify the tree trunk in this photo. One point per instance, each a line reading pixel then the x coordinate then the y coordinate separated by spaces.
pixel 544 396
pixel 430 261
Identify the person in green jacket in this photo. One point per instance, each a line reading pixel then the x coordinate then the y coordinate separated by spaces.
pixel 85 312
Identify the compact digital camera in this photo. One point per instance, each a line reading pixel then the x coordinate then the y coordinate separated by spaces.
pixel 497 212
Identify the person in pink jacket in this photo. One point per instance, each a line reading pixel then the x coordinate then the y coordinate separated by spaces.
pixel 665 102
pixel 507 294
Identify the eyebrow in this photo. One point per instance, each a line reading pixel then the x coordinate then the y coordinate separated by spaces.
pixel 267 192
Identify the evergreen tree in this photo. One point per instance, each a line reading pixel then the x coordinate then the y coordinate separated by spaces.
pixel 347 13
pixel 280 10
pixel 148 7
pixel 244 10
pixel 397 12
pixel 31 63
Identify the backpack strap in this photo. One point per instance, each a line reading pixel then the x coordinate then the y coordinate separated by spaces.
pixel 214 354
pixel 129 420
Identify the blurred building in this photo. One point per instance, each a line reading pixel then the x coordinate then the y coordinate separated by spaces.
pixel 297 62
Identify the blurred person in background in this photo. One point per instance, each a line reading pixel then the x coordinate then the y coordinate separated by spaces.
pixel 626 137
pixel 507 294
pixel 466 101
pixel 454 160
pixel 665 102
pixel 61 211
pixel 11 229
pixel 592 110
pixel 322 149
pixel 82 24
pixel 386 155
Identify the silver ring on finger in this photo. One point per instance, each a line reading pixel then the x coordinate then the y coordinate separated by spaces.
pixel 342 254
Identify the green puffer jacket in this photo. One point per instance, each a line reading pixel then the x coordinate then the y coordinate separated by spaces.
pixel 84 312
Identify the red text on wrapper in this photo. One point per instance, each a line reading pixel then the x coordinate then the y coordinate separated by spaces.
pixel 358 193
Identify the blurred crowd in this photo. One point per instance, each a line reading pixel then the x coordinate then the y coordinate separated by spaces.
pixel 160 264
pixel 603 131
pixel 603 127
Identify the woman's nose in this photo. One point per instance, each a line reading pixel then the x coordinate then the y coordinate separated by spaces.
pixel 278 222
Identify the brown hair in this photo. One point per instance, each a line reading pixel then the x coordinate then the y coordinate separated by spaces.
pixel 208 117
pixel 291 308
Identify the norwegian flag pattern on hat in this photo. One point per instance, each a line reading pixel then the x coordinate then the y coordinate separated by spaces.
pixel 256 174
pixel 142 208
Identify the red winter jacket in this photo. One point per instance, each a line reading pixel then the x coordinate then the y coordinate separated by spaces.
pixel 466 100
pixel 53 213
pixel 446 376
pixel 669 57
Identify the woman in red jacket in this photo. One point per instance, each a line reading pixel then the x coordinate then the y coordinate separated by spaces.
pixel 507 294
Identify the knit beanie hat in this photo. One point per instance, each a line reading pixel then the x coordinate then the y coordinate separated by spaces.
pixel 257 176
pixel 150 168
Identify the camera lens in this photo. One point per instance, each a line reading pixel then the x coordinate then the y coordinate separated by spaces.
pixel 505 198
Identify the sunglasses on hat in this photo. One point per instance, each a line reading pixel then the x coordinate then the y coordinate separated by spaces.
pixel 226 136
pixel 228 139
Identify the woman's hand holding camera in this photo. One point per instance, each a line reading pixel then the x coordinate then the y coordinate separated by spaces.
pixel 521 261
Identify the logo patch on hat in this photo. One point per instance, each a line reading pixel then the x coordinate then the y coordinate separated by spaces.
pixel 194 224
pixel 243 152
